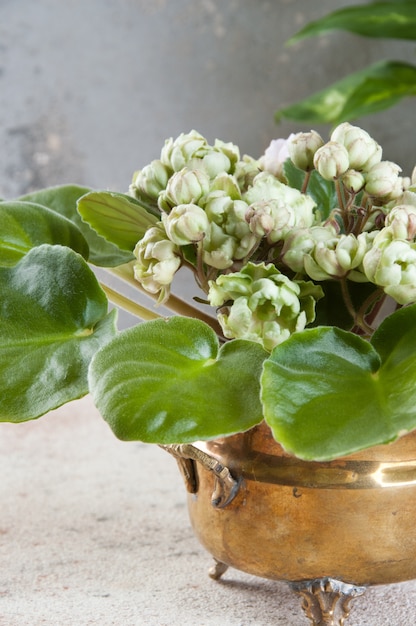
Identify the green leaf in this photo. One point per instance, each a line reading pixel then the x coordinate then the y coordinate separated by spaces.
pixel 53 318
pixel 395 20
pixel 63 200
pixel 25 225
pixel 322 191
pixel 370 90
pixel 117 217
pixel 327 393
pixel 169 382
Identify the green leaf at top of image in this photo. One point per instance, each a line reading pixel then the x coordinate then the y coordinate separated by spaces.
pixel 53 318
pixel 167 381
pixel 395 20
pixel 327 393
pixel 117 217
pixel 63 200
pixel 366 91
pixel 25 225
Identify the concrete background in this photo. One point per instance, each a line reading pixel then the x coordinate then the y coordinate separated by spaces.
pixel 92 530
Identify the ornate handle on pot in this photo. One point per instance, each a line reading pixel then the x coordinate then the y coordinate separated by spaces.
pixel 226 487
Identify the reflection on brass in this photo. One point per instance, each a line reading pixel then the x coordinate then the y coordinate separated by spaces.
pixel 326 602
pixel 225 486
pixel 347 473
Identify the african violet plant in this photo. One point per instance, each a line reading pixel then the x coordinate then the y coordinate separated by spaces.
pixel 305 260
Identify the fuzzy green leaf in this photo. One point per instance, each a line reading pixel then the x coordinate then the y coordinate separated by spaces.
pixel 396 20
pixel 169 382
pixel 118 218
pixel 53 318
pixel 327 393
pixel 25 225
pixel 322 191
pixel 370 90
pixel 63 200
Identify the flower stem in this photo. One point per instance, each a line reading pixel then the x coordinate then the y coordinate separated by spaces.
pixel 306 182
pixel 347 299
pixel 342 207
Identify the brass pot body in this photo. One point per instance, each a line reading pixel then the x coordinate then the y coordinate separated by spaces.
pixel 353 519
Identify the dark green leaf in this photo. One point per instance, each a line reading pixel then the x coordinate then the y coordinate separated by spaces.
pixel 375 19
pixel 322 191
pixel 53 318
pixel 370 90
pixel 327 393
pixel 118 218
pixel 63 199
pixel 25 225
pixel 169 382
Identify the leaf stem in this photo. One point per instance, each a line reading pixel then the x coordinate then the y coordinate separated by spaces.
pixel 129 305
pixel 174 304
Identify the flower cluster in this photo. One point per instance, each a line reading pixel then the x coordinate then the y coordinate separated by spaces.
pixel 267 239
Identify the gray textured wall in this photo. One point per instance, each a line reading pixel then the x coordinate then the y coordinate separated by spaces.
pixel 89 89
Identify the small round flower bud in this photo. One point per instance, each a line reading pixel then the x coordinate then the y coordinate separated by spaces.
pixel 260 220
pixel 363 151
pixel 176 153
pixel 391 264
pixel 353 181
pixel 302 148
pixel 275 155
pixel 331 160
pixel 157 262
pixel 184 187
pixel 185 224
pixel 381 180
pixel 402 221
pixel 150 180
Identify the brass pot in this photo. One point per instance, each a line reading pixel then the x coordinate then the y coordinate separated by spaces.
pixel 328 528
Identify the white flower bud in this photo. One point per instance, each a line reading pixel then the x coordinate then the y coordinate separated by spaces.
pixel 363 151
pixel 382 178
pixel 261 304
pixel 335 258
pixel 260 220
pixel 275 155
pixel 331 160
pixel 157 262
pixel 391 264
pixel 302 148
pixel 353 181
pixel 150 180
pixel 402 221
pixel 301 243
pixel 177 153
pixel 185 224
pixel 229 237
pixel 184 187
pixel 288 207
pixel 214 163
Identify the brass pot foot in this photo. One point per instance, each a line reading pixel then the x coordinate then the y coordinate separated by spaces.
pixel 326 601
pixel 217 570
